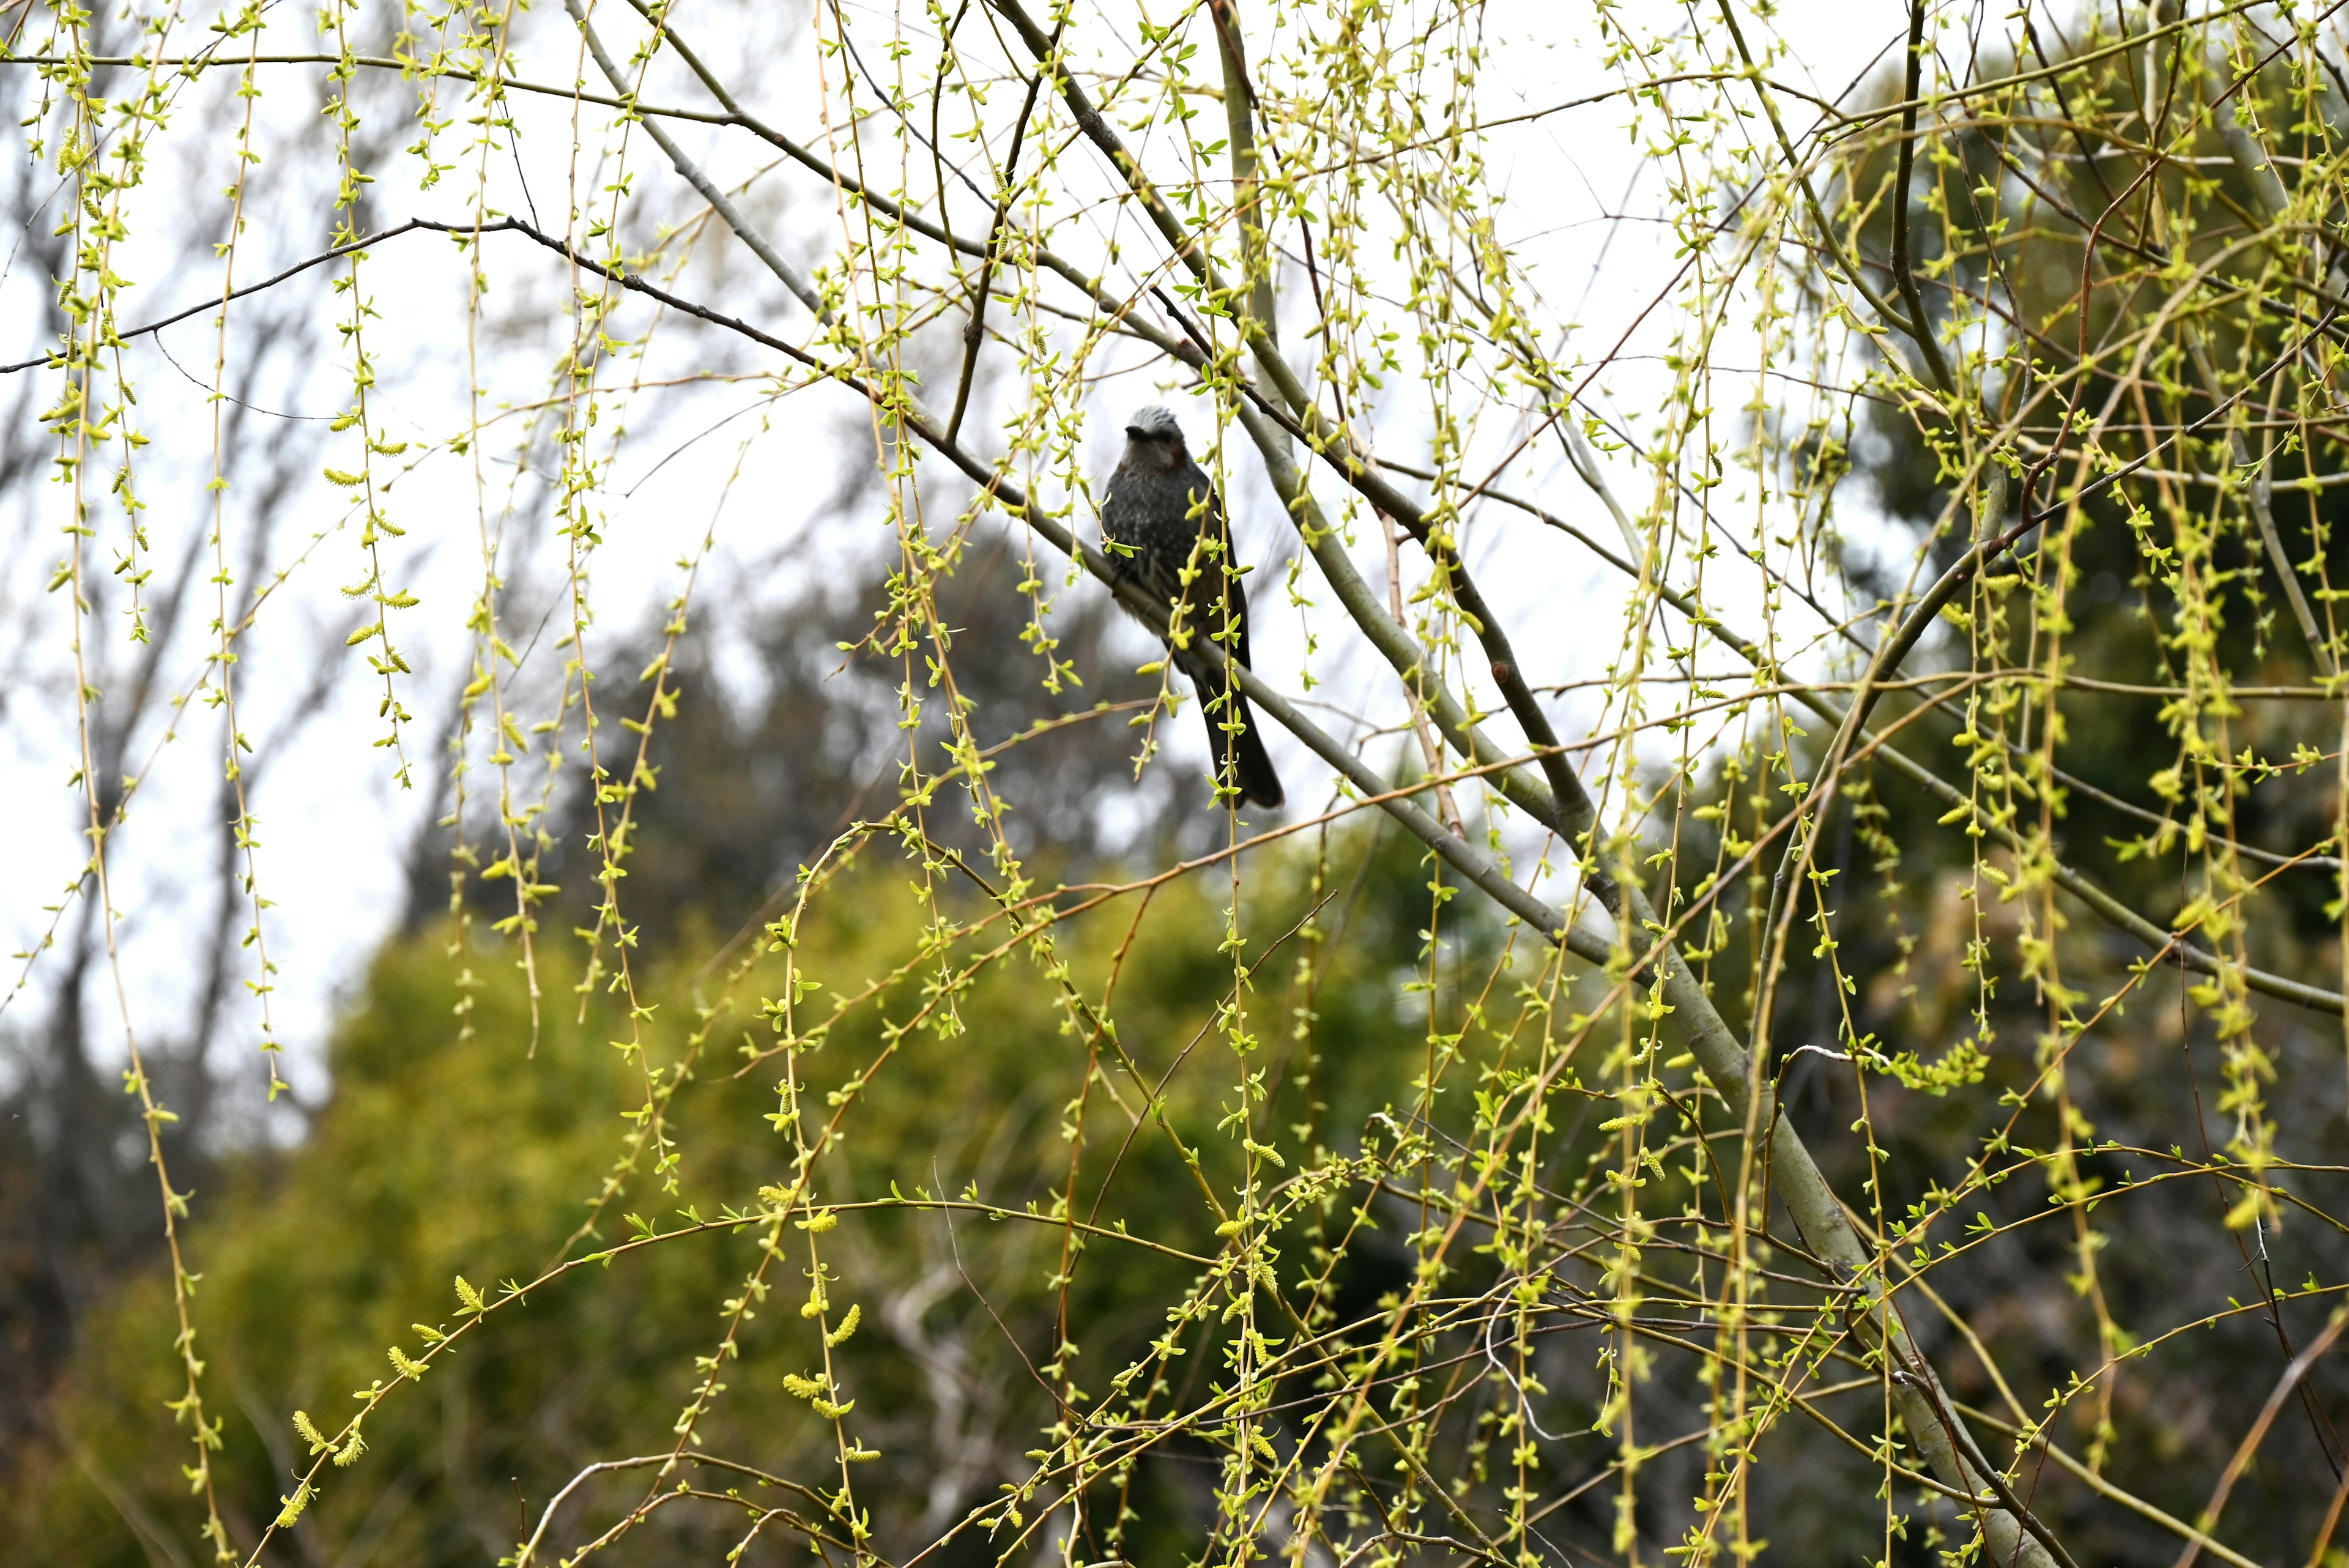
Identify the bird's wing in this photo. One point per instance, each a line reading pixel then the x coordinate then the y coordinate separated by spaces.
pixel 1233 583
pixel 1111 503
pixel 1117 525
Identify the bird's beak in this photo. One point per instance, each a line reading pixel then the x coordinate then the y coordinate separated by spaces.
pixel 1135 432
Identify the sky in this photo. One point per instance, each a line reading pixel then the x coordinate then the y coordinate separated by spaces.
pixel 721 459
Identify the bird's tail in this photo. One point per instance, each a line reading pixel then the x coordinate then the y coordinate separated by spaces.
pixel 1245 763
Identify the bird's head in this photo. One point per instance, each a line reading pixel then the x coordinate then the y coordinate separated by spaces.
pixel 1153 441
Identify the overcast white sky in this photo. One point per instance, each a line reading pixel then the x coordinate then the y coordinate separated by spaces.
pixel 333 822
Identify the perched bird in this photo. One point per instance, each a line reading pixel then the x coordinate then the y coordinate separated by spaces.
pixel 1158 504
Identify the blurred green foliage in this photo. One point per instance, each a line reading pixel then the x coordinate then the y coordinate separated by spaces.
pixel 437 1156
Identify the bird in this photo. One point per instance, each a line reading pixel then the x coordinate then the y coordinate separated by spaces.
pixel 1158 506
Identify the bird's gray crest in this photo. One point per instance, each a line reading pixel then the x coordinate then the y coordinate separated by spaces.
pixel 1154 421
